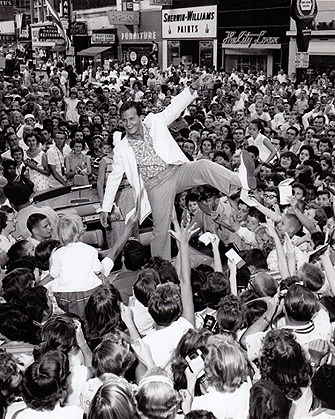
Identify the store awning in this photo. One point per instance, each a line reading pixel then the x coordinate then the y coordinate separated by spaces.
pixel 323 47
pixel 92 51
pixel 58 48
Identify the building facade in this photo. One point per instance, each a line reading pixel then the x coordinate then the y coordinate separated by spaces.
pixel 190 35
pixel 252 35
pixel 320 57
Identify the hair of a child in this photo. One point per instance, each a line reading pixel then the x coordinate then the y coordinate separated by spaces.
pixel 113 355
pixel 70 229
pixel 156 396
pixel 114 399
pixel 58 333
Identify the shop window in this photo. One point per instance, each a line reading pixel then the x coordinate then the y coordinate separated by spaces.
pixel 321 63
pixel 252 63
pixel 246 63
pixel 173 52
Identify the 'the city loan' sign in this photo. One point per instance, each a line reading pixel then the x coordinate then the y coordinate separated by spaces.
pixel 191 22
pixel 249 39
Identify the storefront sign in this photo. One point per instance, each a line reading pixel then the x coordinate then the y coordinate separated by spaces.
pixel 193 22
pixel 160 2
pixel 24 34
pixel 6 10
pixel 305 9
pixel 103 38
pixel 144 36
pixel 304 13
pixel 302 60
pixel 123 18
pixel 78 28
pixel 133 56
pixel 65 8
pixel 144 60
pixel 249 39
pixel 50 32
pixel 6 38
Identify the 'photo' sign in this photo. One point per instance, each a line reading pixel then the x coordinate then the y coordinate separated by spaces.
pixel 191 22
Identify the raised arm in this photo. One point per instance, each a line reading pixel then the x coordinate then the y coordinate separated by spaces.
pixel 272 149
pixel 182 100
pixel 282 263
pixel 182 235
pixel 252 202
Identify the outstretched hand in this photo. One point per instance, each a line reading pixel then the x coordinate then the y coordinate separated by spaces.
pixel 249 200
pixel 126 314
pixel 183 233
pixel 270 226
pixel 205 80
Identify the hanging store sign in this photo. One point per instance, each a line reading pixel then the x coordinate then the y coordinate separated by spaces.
pixel 78 28
pixel 123 18
pixel 192 22
pixel 103 38
pixel 249 39
pixel 6 38
pixel 301 60
pixel 6 10
pixel 50 32
pixel 160 2
pixel 129 5
pixel 305 9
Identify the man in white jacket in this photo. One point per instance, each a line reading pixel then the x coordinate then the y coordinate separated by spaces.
pixel 157 169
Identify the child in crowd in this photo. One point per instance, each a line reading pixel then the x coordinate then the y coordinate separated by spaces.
pixel 73 267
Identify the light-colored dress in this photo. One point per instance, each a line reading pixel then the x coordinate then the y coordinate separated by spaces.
pixel 75 161
pixel 264 152
pixel 41 181
pixel 71 110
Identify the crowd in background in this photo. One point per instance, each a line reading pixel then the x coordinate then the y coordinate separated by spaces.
pixel 243 336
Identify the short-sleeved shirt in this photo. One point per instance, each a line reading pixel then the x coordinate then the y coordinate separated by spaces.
pixel 163 342
pixel 56 158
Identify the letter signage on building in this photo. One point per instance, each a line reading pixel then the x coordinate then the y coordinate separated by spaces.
pixel 49 32
pixel 191 22
pixel 103 38
pixel 301 60
pixel 7 39
pixel 6 10
pixel 249 39
pixel 123 18
pixel 160 2
pixel 78 28
pixel 144 36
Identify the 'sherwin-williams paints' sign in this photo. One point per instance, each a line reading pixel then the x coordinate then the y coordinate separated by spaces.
pixel 190 22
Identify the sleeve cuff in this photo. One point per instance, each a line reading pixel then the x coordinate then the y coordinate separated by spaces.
pixel 107 265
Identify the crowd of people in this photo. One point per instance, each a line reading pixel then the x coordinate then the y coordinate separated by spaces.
pixel 238 321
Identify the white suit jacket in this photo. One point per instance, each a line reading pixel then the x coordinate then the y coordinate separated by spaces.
pixel 164 145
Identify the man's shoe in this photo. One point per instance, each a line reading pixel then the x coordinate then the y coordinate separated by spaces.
pixel 246 171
